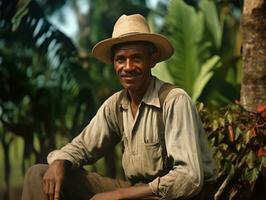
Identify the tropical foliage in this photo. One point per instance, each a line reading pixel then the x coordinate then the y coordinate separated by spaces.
pixel 201 63
pixel 36 78
pixel 238 140
pixel 49 90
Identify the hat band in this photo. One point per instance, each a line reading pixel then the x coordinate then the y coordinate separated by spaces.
pixel 127 34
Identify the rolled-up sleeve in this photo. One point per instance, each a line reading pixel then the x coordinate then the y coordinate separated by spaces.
pixel 182 144
pixel 97 137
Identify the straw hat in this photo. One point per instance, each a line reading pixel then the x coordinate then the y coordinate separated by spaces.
pixel 132 28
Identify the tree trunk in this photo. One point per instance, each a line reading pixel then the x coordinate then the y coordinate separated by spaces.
pixel 253 87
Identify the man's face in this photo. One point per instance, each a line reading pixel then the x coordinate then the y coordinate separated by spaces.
pixel 132 64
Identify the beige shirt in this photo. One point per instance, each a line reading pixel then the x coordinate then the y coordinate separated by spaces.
pixel 185 142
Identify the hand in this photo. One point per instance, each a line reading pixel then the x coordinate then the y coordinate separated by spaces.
pixel 53 180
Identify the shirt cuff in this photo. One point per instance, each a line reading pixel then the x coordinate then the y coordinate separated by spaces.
pixel 154 186
pixel 59 155
pixel 173 187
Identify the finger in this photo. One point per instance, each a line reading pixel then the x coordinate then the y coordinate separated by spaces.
pixel 51 187
pixel 51 190
pixel 57 193
pixel 46 187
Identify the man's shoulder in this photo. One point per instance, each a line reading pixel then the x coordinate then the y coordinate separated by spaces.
pixel 113 99
pixel 175 93
pixel 165 85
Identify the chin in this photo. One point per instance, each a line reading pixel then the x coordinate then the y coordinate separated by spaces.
pixel 129 86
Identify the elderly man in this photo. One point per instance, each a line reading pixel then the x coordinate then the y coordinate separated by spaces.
pixel 165 153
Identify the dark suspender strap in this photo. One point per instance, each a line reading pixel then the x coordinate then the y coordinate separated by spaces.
pixel 163 92
pixel 119 112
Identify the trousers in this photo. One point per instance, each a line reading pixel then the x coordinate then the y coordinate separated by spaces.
pixel 78 185
pixel 82 185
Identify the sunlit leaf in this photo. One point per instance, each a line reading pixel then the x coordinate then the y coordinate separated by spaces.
pixel 215 125
pixel 251 174
pixel 185 34
pixel 221 122
pixel 205 74
pixel 263 162
pixel 229 118
pixel 223 147
pixel 212 21
pixel 237 133
pixel 247 136
pixel 250 159
pixel 220 137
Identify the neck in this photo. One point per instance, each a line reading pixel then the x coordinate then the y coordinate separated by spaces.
pixel 137 95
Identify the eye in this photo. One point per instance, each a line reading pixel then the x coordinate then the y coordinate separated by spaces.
pixel 138 58
pixel 119 59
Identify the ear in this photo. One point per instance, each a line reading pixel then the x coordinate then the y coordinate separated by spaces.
pixel 154 57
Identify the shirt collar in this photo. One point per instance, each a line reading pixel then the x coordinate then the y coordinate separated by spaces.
pixel 150 97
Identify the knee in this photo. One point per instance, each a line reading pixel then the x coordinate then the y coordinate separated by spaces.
pixel 35 172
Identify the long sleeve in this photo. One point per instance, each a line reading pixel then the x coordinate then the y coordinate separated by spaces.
pixel 97 137
pixel 183 133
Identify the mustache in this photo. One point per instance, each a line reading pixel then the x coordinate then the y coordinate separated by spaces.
pixel 129 74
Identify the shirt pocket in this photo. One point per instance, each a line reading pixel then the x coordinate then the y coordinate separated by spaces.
pixel 151 158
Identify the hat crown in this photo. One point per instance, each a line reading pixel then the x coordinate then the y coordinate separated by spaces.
pixel 132 28
pixel 130 24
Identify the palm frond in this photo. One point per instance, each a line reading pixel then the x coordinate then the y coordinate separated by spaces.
pixel 185 34
pixel 38 32
pixel 193 63
pixel 213 24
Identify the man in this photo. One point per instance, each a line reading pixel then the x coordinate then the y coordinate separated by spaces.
pixel 165 153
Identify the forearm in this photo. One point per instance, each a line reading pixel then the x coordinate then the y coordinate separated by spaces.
pixel 135 192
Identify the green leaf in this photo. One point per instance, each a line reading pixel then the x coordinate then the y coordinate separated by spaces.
pixel 205 74
pixel 215 125
pixel 247 136
pixel 200 106
pixel 185 34
pixel 212 142
pixel 263 162
pixel 251 175
pixel 238 146
pixel 218 155
pixel 220 137
pixel 221 122
pixel 227 166
pixel 161 71
pixel 223 147
pixel 231 157
pixel 21 12
pixel 250 159
pixel 237 133
pixel 212 21
pixel 229 118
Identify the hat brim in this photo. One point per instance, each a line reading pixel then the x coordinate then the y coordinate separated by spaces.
pixel 102 50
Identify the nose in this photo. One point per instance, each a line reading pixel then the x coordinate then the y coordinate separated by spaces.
pixel 128 65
